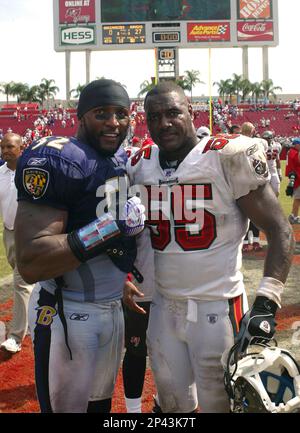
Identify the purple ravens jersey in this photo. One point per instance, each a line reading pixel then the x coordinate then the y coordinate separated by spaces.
pixel 65 173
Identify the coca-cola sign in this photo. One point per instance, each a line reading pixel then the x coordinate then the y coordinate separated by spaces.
pixel 255 31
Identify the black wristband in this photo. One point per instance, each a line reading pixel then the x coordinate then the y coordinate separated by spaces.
pixel 94 238
pixel 265 305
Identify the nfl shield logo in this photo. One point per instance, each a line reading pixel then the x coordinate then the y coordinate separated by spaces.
pixel 212 318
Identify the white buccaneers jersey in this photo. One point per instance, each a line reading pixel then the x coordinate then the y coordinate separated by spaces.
pixel 273 155
pixel 131 150
pixel 197 229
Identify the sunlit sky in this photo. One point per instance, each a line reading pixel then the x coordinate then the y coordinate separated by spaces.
pixel 27 54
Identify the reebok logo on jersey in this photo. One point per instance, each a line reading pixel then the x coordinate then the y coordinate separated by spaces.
pixel 251 150
pixel 265 326
pixel 37 161
pixel 79 316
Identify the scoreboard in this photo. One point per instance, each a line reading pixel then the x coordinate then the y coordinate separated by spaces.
pixel 123 34
pixel 142 24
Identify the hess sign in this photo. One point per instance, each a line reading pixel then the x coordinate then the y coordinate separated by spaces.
pixel 77 35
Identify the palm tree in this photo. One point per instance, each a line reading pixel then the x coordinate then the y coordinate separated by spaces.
pixel 256 91
pixel 181 81
pixel 225 88
pixel 77 90
pixel 19 90
pixel 269 89
pixel 7 88
pixel 237 85
pixel 47 90
pixel 192 78
pixel 32 94
pixel 246 88
pixel 146 86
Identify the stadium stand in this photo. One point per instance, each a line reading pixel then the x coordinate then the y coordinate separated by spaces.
pixel 284 119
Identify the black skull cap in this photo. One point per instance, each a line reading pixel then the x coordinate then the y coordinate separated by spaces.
pixel 101 93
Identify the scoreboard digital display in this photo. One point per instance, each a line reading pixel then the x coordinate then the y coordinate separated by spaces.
pixel 123 34
pixel 146 24
pixel 124 11
pixel 163 37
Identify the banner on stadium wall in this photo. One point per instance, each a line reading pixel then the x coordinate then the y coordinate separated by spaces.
pixel 208 31
pixel 250 9
pixel 255 31
pixel 76 11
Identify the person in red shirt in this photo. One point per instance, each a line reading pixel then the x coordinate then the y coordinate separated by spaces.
pixel 293 173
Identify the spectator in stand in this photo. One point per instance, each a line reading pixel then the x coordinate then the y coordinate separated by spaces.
pixel 251 240
pixel 293 173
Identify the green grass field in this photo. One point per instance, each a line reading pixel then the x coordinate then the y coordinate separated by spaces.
pixel 5 269
pixel 286 203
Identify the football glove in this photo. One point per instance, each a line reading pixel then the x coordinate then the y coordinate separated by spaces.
pixel 258 324
pixel 290 188
pixel 97 236
pixel 133 217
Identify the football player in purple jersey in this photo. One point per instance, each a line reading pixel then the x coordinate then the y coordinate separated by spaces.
pixel 78 252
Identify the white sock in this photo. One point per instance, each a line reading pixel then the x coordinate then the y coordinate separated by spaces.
pixel 133 405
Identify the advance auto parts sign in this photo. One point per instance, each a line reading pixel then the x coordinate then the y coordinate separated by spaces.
pixel 208 31
pixel 77 35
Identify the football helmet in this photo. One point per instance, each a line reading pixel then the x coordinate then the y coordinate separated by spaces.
pixel 203 131
pixel 267 135
pixel 265 379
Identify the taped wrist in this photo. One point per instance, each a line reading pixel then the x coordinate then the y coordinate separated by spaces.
pixel 94 238
pixel 271 288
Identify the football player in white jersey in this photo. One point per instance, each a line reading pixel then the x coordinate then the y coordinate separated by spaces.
pixel 200 196
pixel 273 150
